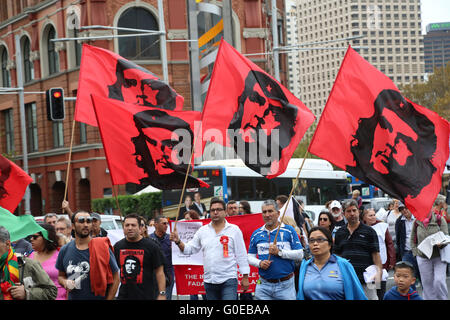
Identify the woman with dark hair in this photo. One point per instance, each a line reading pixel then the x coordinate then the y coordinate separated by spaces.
pixel 326 220
pixel 244 207
pixel 326 276
pixel 46 253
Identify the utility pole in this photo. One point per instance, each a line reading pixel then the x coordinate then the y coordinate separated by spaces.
pixel 22 117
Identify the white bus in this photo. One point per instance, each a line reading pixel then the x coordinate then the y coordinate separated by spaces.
pixel 231 179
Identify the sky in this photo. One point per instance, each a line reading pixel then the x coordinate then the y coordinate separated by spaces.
pixel 434 11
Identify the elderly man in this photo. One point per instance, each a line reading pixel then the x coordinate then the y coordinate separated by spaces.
pixel 22 278
pixel 358 243
pixel 232 208
pixel 276 262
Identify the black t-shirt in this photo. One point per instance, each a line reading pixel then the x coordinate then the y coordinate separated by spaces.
pixel 137 262
pixel 357 247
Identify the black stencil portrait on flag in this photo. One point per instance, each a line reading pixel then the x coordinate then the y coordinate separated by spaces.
pixel 393 148
pixel 263 109
pixel 132 83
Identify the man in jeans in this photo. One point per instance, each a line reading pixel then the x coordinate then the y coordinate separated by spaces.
pixel 276 262
pixel 403 228
pixel 358 243
pixel 223 249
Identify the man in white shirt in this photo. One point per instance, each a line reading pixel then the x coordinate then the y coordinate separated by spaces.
pixel 223 250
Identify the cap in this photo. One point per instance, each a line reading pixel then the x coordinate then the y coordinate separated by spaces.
pixel 95 215
pixel 335 204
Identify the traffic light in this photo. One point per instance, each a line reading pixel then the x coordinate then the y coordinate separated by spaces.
pixel 55 104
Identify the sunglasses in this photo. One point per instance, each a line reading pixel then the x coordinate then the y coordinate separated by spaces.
pixel 83 220
pixel 323 219
pixel 35 236
pixel 318 240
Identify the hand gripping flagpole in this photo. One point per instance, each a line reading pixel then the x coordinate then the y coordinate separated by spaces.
pixel 294 186
pixel 185 180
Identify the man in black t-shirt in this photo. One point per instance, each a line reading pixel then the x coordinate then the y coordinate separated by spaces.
pixel 141 262
pixel 358 243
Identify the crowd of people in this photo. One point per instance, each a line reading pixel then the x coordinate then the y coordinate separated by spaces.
pixel 346 256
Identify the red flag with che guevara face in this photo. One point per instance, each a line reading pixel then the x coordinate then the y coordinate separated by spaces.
pixel 370 130
pixel 247 109
pixel 107 74
pixel 146 145
pixel 13 183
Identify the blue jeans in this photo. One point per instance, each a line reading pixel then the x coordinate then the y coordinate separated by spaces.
pixel 222 291
pixel 284 290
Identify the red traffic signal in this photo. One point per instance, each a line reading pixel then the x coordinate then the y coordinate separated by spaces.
pixel 55 104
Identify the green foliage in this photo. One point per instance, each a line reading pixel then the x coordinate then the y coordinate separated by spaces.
pixel 433 94
pixel 143 204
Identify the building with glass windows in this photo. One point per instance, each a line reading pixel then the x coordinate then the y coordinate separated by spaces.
pixel 48 64
pixel 437 46
pixel 390 33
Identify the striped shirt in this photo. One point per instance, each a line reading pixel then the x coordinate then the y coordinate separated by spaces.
pixel 357 247
pixel 287 241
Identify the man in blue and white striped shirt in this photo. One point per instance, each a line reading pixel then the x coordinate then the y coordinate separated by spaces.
pixel 276 273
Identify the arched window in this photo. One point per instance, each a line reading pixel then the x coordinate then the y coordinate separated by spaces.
pixel 52 55
pixel 6 80
pixel 28 68
pixel 138 48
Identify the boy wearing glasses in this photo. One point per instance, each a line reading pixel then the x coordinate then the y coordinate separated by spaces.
pixel 79 260
pixel 404 278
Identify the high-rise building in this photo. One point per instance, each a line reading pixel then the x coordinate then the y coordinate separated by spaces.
pixel 46 64
pixel 437 46
pixel 390 29
pixel 293 63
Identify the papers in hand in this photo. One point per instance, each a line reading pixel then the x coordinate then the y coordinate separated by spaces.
pixel 371 273
pixel 436 239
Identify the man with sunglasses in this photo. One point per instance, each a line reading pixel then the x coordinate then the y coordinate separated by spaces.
pixel 276 262
pixel 78 262
pixel 223 250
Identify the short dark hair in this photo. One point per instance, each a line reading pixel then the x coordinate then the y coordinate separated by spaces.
pixel 51 243
pixel 75 214
pixel 217 200
pixel 282 198
pixel 133 216
pixel 405 265
pixel 194 214
pixel 159 217
pixel 231 202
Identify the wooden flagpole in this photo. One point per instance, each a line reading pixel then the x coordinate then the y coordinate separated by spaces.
pixel 69 161
pixel 294 186
pixel 185 180
pixel 117 201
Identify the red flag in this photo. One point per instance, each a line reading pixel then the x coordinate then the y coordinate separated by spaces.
pixel 13 183
pixel 370 130
pixel 259 118
pixel 147 145
pixel 106 74
pixel 189 278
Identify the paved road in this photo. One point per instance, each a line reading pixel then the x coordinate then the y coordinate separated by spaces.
pixel 390 283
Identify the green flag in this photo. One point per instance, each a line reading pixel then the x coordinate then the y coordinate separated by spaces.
pixel 20 226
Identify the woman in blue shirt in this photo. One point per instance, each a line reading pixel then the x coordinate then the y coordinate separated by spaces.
pixel 326 276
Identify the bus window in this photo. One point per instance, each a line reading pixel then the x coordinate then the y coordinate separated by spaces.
pixel 241 188
pixel 265 189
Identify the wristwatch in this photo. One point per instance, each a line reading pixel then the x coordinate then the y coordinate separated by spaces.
pixel 162 293
pixel 177 242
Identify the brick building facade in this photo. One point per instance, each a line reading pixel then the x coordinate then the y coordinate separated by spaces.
pixel 49 64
